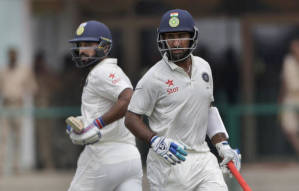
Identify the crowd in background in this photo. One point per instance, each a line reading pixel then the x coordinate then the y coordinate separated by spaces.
pixel 48 88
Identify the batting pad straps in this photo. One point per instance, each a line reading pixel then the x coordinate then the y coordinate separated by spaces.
pixel 215 124
pixel 99 122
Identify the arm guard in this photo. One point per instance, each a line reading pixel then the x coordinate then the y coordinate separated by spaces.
pixel 215 124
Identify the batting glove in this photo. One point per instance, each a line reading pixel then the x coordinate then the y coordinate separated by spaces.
pixel 89 135
pixel 74 124
pixel 167 148
pixel 228 154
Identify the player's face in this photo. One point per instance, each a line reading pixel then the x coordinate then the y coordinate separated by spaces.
pixel 87 49
pixel 178 42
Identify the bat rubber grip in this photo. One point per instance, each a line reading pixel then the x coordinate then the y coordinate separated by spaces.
pixel 238 176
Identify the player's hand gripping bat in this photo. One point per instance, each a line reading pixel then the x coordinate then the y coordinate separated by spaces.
pixel 75 123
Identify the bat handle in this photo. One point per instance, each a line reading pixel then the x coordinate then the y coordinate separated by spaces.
pixel 238 176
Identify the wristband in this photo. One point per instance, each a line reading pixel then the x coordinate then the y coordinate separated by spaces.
pixel 99 122
pixel 153 139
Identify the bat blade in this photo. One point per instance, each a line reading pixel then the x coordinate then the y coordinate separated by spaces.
pixel 76 124
pixel 238 176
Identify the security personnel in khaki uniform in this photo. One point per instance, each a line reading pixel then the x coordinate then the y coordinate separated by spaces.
pixel 15 82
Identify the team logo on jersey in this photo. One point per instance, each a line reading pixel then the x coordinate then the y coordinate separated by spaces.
pixel 169 83
pixel 80 29
pixel 111 75
pixel 172 89
pixel 174 20
pixel 114 79
pixel 205 77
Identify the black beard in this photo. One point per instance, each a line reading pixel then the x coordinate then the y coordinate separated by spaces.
pixel 83 54
pixel 177 56
pixel 85 58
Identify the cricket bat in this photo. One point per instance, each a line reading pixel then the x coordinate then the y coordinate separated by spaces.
pixel 76 124
pixel 238 176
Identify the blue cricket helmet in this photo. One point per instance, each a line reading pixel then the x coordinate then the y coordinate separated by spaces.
pixel 176 20
pixel 91 31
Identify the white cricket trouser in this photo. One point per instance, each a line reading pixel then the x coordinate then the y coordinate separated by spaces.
pixel 200 172
pixel 92 175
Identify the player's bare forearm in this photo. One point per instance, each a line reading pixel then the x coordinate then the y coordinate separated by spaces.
pixel 119 109
pixel 135 124
pixel 217 138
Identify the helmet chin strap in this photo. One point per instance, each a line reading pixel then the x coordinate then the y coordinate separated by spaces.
pixel 183 57
pixel 171 56
pixel 166 59
pixel 89 62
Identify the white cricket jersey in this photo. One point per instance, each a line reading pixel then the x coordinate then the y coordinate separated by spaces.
pixel 177 105
pixel 103 85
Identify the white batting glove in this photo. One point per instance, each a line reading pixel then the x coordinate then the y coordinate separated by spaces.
pixel 89 135
pixel 171 151
pixel 228 154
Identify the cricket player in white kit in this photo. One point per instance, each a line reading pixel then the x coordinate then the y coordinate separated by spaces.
pixel 176 95
pixel 110 160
